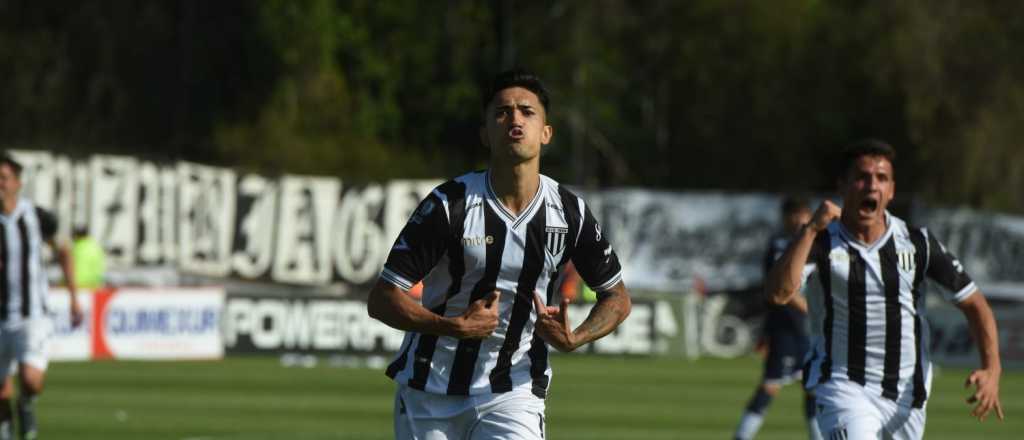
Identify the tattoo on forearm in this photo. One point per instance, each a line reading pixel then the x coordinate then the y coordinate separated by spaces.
pixel 603 319
pixel 595 323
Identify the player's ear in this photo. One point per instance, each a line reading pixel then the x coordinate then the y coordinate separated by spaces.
pixel 546 133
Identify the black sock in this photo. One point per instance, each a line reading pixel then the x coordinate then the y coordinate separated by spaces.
pixel 27 417
pixel 759 402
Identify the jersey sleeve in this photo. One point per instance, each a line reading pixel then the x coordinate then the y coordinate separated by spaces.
pixel 945 269
pixel 47 223
pixel 421 244
pixel 593 256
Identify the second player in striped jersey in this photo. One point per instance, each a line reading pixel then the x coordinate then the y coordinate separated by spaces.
pixel 869 366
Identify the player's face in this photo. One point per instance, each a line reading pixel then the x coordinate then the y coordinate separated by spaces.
pixel 867 190
pixel 10 184
pixel 515 125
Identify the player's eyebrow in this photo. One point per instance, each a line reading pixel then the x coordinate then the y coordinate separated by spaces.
pixel 514 104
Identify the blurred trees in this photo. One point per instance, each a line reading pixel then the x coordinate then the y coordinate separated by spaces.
pixel 727 94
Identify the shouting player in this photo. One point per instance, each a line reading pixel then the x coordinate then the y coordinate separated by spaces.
pixel 869 366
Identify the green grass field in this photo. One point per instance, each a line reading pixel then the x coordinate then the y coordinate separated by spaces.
pixel 591 398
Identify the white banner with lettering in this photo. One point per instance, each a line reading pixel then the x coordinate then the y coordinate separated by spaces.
pixel 309 230
pixel 211 221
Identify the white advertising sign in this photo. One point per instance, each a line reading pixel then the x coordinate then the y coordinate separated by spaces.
pixel 145 324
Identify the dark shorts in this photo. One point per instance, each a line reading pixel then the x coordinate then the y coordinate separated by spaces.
pixel 784 363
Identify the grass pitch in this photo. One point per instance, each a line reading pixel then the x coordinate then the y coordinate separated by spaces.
pixel 591 398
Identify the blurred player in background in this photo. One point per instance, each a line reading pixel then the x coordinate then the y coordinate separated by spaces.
pixel 488 246
pixel 25 323
pixel 869 364
pixel 785 334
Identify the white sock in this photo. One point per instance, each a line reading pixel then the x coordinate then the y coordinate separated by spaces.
pixel 750 423
pixel 812 429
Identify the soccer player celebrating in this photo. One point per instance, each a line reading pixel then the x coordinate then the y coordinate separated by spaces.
pixel 488 247
pixel 785 333
pixel 868 366
pixel 25 326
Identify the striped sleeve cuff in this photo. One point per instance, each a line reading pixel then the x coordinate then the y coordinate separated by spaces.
pixel 965 293
pixel 610 283
pixel 396 279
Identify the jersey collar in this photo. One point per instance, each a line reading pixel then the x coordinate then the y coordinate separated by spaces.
pixel 500 207
pixel 869 248
pixel 18 209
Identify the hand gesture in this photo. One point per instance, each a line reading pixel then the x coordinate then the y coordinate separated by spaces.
pixel 827 212
pixel 987 395
pixel 76 313
pixel 553 324
pixel 480 319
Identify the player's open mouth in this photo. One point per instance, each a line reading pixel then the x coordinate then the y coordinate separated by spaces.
pixel 516 133
pixel 868 206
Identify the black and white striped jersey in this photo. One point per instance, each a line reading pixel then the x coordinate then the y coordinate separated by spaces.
pixel 868 324
pixel 464 244
pixel 23 281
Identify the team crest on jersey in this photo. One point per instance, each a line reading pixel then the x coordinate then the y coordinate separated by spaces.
pixel 555 239
pixel 906 259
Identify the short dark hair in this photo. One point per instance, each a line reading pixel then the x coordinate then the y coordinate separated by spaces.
pixel 865 147
pixel 793 204
pixel 6 159
pixel 517 78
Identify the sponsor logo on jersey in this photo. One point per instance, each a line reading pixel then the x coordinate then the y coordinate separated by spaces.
pixel 477 241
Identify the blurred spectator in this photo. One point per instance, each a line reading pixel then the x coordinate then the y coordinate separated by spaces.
pixel 90 260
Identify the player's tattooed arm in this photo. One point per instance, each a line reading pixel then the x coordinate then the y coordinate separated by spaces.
pixel 553 326
pixel 613 306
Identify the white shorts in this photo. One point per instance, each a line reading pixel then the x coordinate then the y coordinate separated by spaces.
pixel 27 343
pixel 515 415
pixel 848 411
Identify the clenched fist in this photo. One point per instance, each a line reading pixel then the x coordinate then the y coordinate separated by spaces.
pixel 827 213
pixel 480 319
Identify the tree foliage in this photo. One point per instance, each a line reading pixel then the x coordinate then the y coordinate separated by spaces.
pixel 723 94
